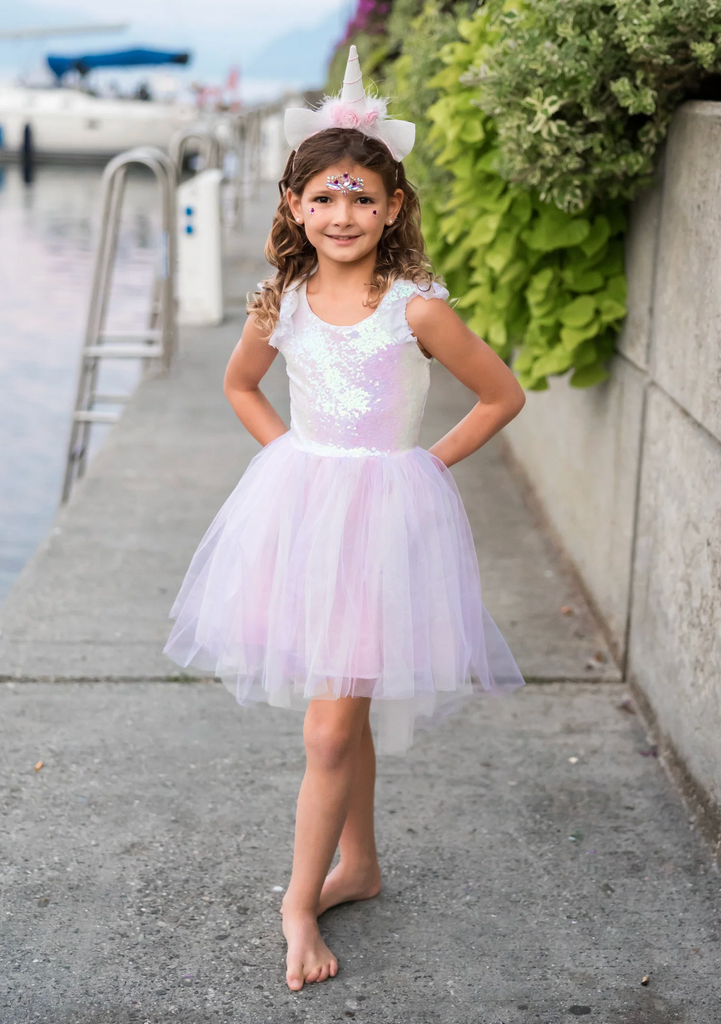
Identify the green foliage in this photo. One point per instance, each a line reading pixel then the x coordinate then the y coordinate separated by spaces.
pixel 419 33
pixel 537 121
pixel 582 91
pixel 531 279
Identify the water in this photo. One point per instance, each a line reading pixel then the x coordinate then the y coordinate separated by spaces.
pixel 47 233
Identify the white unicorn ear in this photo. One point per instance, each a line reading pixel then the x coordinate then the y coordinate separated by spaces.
pixel 399 136
pixel 300 123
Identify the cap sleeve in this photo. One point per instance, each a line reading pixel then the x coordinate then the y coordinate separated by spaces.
pixel 436 291
pixel 284 325
pixel 398 297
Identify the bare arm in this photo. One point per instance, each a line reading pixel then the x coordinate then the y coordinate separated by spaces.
pixel 443 334
pixel 249 363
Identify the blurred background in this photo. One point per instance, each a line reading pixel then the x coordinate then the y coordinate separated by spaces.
pixel 270 47
pixel 237 56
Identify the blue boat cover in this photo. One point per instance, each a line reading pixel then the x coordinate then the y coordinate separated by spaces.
pixel 126 58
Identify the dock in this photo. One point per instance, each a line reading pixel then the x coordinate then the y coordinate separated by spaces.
pixel 538 863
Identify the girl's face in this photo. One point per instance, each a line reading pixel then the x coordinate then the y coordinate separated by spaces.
pixel 345 221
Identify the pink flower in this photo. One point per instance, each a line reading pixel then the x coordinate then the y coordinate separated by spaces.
pixel 345 117
pixel 370 118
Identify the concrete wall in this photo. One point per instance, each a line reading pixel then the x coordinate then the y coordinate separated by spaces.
pixel 629 472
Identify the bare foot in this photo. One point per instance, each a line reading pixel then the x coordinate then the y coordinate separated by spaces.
pixel 344 884
pixel 309 959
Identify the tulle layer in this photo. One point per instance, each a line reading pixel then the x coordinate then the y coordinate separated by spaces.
pixel 325 577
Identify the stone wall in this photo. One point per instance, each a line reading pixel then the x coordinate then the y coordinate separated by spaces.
pixel 629 472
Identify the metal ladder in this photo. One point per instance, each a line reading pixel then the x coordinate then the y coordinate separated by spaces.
pixel 158 341
pixel 209 147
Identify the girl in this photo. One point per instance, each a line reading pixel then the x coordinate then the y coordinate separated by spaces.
pixel 340 576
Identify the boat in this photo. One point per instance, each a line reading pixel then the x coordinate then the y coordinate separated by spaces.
pixel 62 122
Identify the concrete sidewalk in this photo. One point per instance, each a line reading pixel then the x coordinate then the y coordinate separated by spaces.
pixel 141 867
pixel 537 862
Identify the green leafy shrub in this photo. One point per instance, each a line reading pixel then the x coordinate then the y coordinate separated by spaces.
pixel 536 123
pixel 368 29
pixel 417 36
pixel 582 91
pixel 530 278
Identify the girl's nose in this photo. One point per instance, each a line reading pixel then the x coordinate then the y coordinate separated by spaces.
pixel 343 212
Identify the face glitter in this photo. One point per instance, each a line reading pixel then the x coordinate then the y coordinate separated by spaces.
pixel 344 183
pixel 312 210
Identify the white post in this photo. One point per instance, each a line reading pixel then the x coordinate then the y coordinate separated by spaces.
pixel 273 147
pixel 200 250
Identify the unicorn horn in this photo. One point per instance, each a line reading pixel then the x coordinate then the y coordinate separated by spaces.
pixel 353 93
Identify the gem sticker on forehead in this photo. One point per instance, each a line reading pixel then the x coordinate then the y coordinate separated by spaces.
pixel 344 183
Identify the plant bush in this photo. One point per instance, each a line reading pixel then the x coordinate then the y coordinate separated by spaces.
pixel 537 122
pixel 530 278
pixel 582 91
pixel 418 34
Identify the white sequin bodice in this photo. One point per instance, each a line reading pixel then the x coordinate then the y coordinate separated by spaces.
pixel 358 390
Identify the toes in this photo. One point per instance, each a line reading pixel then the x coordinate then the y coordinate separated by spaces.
pixel 333 968
pixel 313 975
pixel 324 972
pixel 294 976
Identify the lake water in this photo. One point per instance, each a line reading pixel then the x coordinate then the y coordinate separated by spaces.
pixel 47 234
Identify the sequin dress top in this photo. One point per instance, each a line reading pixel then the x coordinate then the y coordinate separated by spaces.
pixel 343 563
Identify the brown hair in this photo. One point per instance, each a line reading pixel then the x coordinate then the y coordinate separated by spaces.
pixel 401 251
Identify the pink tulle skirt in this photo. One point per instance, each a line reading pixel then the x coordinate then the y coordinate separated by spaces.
pixel 325 577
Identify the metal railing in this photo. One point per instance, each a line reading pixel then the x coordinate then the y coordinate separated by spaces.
pixel 234 144
pixel 207 142
pixel 155 343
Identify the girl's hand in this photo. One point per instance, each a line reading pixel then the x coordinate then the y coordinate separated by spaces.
pixel 443 334
pixel 251 359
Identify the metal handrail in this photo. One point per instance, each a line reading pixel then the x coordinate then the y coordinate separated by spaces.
pixel 158 342
pixel 209 146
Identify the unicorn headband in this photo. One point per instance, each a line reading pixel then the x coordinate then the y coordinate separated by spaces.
pixel 352 109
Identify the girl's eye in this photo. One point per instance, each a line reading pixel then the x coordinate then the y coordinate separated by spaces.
pixel 320 199
pixel 365 200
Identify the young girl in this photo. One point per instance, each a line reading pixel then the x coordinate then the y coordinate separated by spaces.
pixel 340 576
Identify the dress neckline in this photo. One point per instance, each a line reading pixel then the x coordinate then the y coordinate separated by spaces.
pixel 338 327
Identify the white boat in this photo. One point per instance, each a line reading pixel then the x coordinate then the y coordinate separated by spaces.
pixel 69 124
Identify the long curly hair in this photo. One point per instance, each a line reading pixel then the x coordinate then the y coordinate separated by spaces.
pixel 401 250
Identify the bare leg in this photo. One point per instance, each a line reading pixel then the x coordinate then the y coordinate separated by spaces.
pixel 332 734
pixel 358 875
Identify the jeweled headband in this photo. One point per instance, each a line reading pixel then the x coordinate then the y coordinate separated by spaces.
pixel 352 109
pixel 344 183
